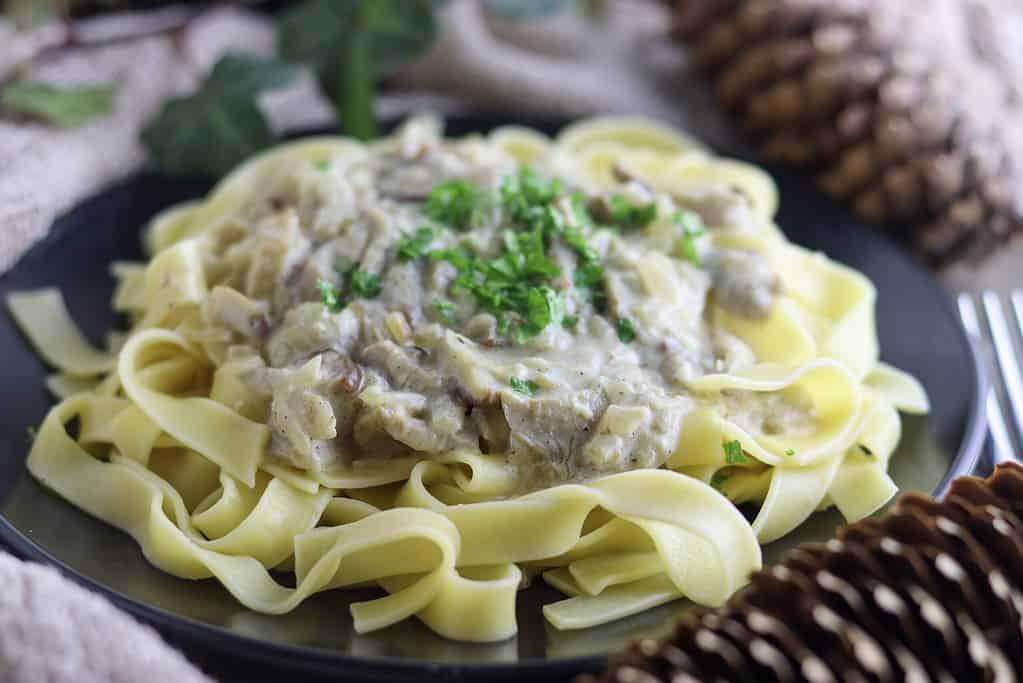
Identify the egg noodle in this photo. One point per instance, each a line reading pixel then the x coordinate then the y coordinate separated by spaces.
pixel 162 440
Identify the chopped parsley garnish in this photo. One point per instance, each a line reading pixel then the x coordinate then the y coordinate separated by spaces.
pixel 627 215
pixel 692 228
pixel 544 307
pixel 589 280
pixel 524 386
pixel 575 238
pixel 719 478
pixel 865 450
pixel 520 285
pixel 446 310
pixel 331 297
pixel 790 452
pixel 322 164
pixel 626 330
pixel 582 215
pixel 363 284
pixel 460 257
pixel 733 452
pixel 512 283
pixel 366 285
pixel 589 275
pixel 457 203
pixel 411 247
pixel 524 257
pixel 526 198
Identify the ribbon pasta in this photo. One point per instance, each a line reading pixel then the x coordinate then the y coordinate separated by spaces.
pixel 160 438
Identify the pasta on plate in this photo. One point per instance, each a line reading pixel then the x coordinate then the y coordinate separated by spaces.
pixel 447 367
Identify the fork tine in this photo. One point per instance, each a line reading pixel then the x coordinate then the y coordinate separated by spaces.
pixel 1002 448
pixel 1002 443
pixel 1017 308
pixel 1005 351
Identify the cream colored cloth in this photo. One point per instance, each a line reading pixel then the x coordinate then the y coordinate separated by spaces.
pixel 52 631
pixel 567 65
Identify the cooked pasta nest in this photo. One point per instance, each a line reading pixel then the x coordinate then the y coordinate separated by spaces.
pixel 160 435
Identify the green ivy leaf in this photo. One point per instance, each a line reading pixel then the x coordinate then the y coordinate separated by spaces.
pixel 65 107
pixel 245 75
pixel 220 126
pixel 527 9
pixel 352 43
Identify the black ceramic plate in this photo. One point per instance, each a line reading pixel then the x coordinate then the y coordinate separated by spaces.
pixel 919 333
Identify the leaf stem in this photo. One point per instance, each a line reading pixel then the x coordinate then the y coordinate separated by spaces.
pixel 355 95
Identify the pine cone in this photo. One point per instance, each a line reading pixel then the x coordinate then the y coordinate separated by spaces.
pixel 930 591
pixel 853 90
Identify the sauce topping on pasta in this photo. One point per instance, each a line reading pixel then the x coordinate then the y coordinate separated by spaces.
pixel 435 295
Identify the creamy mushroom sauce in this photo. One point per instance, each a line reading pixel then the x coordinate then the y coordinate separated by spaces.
pixel 395 373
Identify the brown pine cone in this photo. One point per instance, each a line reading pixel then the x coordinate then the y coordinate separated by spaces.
pixel 859 92
pixel 932 591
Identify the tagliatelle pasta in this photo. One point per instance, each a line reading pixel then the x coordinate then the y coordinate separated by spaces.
pixel 418 365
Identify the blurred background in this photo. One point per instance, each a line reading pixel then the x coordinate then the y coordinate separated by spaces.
pixel 914 120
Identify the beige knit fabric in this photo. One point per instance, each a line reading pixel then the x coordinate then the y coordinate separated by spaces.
pixel 53 631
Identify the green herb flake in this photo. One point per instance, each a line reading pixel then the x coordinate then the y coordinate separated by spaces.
pixel 719 478
pixel 582 215
pixel 446 310
pixel 64 107
pixel 544 307
pixel 589 280
pixel 366 285
pixel 526 198
pixel 570 321
pixel 789 452
pixel 322 164
pixel 537 190
pixel 331 296
pixel 627 215
pixel 733 452
pixel 411 247
pixel 456 203
pixel 866 451
pixel 692 229
pixel 575 239
pixel 626 330
pixel 460 257
pixel 524 386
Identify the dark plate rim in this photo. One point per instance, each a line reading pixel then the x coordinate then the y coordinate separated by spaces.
pixel 185 630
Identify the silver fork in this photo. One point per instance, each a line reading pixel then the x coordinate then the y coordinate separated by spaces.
pixel 1000 329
